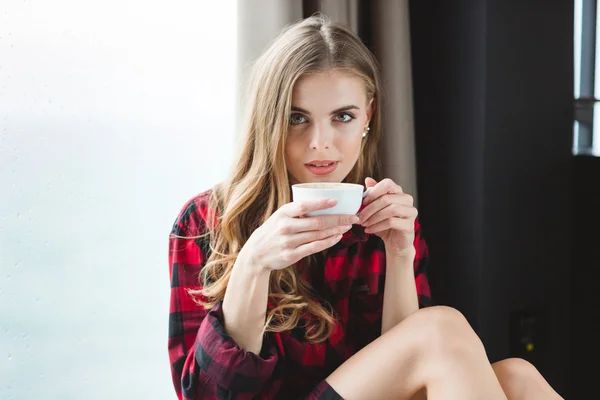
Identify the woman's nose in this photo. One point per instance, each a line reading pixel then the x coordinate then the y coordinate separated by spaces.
pixel 321 137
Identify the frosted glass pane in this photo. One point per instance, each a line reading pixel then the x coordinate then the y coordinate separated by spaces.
pixel 112 115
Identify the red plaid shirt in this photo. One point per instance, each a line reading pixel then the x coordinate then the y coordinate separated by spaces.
pixel 206 363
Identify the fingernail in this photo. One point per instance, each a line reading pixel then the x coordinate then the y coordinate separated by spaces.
pixel 331 202
pixel 354 219
pixel 347 227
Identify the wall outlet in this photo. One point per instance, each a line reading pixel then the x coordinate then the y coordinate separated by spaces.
pixel 528 334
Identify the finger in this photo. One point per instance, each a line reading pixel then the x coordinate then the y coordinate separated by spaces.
pixel 322 222
pixel 307 249
pixel 386 186
pixel 391 211
pixel 399 224
pixel 299 239
pixel 370 182
pixel 383 202
pixel 299 208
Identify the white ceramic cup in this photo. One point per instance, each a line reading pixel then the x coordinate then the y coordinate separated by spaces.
pixel 348 195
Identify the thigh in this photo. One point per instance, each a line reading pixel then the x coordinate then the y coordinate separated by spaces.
pixel 388 367
pixel 433 348
pixel 323 391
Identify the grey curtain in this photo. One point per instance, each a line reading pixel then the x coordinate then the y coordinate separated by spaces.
pixel 383 25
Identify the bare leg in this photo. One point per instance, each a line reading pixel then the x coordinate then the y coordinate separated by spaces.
pixel 433 352
pixel 522 381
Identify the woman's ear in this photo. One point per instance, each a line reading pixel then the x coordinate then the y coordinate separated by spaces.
pixel 370 109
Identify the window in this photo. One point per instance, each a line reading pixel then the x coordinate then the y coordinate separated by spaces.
pixel 112 114
pixel 587 78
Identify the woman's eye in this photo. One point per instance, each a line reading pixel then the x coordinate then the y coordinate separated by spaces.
pixel 344 117
pixel 297 119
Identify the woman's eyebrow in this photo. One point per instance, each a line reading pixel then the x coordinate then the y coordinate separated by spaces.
pixel 336 111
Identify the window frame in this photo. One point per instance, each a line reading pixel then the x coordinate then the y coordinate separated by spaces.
pixel 586 103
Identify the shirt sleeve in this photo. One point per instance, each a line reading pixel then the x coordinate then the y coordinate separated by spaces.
pixel 421 264
pixel 206 363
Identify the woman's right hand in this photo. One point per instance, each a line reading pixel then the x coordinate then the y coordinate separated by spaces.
pixel 288 235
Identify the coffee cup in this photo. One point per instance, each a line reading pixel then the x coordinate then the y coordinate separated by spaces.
pixel 348 195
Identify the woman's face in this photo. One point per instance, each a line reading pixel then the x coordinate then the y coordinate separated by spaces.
pixel 330 112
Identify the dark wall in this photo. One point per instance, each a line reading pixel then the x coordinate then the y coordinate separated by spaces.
pixel 585 300
pixel 493 87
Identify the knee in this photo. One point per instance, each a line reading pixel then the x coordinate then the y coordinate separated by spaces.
pixel 445 330
pixel 512 369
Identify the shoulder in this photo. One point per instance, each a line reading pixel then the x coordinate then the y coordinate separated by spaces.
pixel 192 216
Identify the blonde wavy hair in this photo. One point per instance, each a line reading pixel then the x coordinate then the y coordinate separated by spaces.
pixel 259 185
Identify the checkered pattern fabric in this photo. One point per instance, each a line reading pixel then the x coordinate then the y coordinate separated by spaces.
pixel 206 363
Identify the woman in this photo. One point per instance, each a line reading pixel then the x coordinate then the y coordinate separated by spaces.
pixel 269 303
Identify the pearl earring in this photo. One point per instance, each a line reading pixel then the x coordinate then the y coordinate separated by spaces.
pixel 367 129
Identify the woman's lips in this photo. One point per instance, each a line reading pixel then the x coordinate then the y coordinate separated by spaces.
pixel 321 170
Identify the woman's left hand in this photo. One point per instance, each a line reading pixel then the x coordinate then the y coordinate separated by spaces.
pixel 389 213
